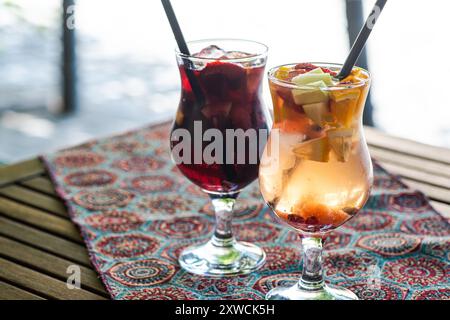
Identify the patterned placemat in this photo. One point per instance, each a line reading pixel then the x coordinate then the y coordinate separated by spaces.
pixel 136 212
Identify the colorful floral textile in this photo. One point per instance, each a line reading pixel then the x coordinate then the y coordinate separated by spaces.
pixel 136 212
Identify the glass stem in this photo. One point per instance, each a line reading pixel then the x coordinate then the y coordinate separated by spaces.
pixel 223 207
pixel 312 276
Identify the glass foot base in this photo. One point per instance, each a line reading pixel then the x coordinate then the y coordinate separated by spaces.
pixel 218 258
pixel 328 292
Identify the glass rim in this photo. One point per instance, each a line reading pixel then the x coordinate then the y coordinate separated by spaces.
pixel 291 85
pixel 252 56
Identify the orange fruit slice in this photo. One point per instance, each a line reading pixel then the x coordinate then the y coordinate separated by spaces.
pixel 314 150
pixel 343 105
pixel 282 73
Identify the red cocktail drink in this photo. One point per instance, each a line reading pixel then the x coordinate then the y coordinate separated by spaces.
pixel 230 87
pixel 219 132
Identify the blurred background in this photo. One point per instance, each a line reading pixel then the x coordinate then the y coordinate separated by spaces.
pixel 121 55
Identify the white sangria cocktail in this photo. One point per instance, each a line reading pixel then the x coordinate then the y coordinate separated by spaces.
pixel 316 172
pixel 322 174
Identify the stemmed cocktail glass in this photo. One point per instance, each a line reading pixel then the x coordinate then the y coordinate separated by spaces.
pixel 316 172
pixel 218 134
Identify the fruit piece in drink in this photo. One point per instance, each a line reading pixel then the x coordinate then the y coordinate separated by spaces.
pixel 313 76
pixel 313 150
pixel 309 94
pixel 319 214
pixel 343 105
pixel 340 141
pixel 319 113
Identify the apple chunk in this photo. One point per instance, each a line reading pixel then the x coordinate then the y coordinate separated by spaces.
pixel 311 77
pixel 315 71
pixel 310 94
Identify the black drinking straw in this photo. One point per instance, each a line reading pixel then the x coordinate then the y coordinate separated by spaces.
pixel 182 46
pixel 361 39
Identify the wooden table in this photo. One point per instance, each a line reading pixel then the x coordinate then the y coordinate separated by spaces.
pixel 38 241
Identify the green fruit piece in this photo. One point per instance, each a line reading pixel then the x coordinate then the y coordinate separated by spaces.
pixel 310 95
pixel 315 71
pixel 318 84
pixel 309 78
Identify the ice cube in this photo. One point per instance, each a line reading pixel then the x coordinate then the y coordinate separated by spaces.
pixel 286 156
pixel 279 156
pixel 211 52
pixel 236 55
pixel 272 184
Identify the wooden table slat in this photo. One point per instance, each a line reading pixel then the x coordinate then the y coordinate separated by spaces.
pixel 45 241
pixel 36 199
pixel 40 219
pixel 10 292
pixel 433 192
pixel 21 170
pixel 420 150
pixel 442 208
pixel 408 161
pixel 420 176
pixel 47 263
pixel 42 284
pixel 41 184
